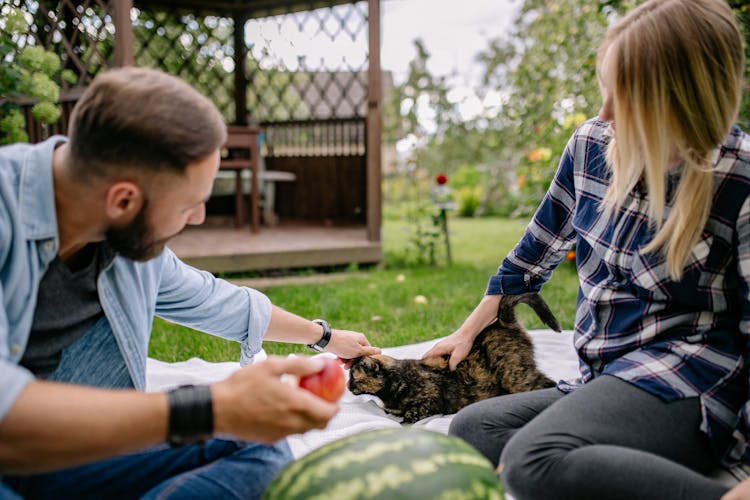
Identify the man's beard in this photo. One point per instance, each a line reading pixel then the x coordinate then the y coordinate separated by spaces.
pixel 134 240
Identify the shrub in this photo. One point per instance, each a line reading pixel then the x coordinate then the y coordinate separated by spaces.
pixel 29 73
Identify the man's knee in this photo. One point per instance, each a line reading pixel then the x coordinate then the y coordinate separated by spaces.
pixel 282 454
pixel 275 459
pixel 260 461
pixel 272 457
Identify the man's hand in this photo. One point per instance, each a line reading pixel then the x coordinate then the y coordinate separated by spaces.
pixel 287 327
pixel 739 492
pixel 348 345
pixel 254 404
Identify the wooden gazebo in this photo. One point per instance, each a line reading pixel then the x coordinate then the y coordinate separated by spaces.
pixel 319 121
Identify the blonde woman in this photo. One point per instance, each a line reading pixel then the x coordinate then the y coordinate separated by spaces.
pixel 655 193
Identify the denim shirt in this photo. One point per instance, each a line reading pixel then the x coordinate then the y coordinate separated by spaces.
pixel 131 293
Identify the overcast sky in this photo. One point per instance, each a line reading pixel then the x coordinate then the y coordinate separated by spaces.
pixel 454 31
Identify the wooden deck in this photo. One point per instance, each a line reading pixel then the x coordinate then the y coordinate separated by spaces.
pixel 222 248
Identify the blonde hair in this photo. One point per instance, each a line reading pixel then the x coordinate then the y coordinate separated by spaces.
pixel 677 80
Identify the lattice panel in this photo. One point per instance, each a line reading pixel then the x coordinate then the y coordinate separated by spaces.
pixel 197 49
pixel 301 66
pixel 81 32
pixel 309 65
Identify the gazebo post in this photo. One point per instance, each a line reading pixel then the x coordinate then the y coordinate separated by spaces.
pixel 240 115
pixel 240 76
pixel 124 40
pixel 374 123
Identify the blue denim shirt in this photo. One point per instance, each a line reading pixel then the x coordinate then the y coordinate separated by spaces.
pixel 131 293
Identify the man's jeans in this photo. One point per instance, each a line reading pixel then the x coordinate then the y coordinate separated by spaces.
pixel 219 469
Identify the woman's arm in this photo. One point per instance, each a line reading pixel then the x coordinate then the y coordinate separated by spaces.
pixel 543 245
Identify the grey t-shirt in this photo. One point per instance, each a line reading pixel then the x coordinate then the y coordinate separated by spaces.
pixel 67 307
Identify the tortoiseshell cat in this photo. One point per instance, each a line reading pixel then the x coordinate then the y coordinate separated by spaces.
pixel 501 361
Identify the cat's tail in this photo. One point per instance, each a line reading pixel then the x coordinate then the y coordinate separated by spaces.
pixel 506 313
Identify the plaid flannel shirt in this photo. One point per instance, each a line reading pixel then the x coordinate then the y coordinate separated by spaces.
pixel 673 339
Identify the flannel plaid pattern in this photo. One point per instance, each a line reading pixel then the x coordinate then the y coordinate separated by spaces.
pixel 673 339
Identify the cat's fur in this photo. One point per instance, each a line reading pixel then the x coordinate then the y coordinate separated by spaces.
pixel 501 361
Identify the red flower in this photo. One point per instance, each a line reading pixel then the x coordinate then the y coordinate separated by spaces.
pixel 441 179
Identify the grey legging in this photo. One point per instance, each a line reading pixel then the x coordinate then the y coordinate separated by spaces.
pixel 607 439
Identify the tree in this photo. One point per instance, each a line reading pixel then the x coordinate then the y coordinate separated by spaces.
pixel 742 9
pixel 419 107
pixel 547 71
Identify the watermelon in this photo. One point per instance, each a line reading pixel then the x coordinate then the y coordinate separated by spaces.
pixel 404 462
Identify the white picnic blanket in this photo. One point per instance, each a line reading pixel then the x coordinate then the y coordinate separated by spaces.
pixel 553 351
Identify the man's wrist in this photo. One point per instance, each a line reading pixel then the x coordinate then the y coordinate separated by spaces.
pixel 321 344
pixel 191 416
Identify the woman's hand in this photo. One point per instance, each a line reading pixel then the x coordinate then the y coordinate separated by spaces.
pixel 459 343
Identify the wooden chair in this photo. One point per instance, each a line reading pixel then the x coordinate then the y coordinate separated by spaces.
pixel 268 179
pixel 242 148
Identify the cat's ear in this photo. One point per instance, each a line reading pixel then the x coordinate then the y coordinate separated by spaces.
pixel 374 364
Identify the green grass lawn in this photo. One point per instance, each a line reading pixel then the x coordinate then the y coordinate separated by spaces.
pixel 379 304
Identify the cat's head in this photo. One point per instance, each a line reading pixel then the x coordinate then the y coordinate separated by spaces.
pixel 370 374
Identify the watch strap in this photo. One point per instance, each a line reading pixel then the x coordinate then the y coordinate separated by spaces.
pixel 191 417
pixel 320 345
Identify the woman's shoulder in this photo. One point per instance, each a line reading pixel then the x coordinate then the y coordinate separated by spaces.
pixel 587 148
pixel 733 156
pixel 592 132
pixel 589 142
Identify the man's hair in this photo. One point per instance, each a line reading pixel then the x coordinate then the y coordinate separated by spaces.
pixel 141 120
pixel 677 71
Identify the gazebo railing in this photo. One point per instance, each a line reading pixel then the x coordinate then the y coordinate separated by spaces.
pixel 310 138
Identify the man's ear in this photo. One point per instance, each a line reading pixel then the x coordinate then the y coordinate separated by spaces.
pixel 123 201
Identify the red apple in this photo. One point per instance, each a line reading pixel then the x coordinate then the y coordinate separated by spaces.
pixel 328 383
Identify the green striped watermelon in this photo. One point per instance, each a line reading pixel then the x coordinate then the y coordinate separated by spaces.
pixel 393 463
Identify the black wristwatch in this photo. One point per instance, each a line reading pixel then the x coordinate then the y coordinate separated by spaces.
pixel 320 345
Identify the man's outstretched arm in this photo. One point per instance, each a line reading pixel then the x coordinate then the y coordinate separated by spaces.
pixel 54 425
